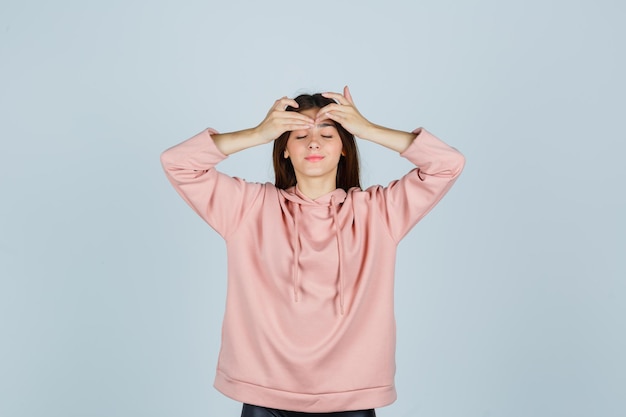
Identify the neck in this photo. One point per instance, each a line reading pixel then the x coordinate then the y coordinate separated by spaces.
pixel 316 187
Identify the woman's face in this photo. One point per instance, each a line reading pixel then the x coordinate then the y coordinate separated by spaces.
pixel 315 152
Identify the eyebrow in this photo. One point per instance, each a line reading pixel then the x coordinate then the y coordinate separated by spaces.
pixel 325 124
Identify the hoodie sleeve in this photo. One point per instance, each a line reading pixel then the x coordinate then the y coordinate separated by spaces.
pixel 405 201
pixel 219 199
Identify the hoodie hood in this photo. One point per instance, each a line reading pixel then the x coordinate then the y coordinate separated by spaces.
pixel 300 203
pixel 294 195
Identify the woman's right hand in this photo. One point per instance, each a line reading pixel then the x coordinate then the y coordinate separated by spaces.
pixel 279 121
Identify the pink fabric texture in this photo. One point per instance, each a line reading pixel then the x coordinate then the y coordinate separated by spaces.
pixel 309 322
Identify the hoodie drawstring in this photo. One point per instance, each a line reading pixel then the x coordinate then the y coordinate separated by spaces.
pixel 295 279
pixel 340 251
pixel 296 254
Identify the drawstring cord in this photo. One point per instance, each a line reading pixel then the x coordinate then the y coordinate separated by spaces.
pixel 296 254
pixel 340 252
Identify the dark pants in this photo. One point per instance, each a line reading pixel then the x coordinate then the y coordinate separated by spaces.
pixel 256 411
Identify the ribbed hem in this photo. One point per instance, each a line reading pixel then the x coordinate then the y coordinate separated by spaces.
pixel 360 399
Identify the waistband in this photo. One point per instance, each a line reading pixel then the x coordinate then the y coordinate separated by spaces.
pixel 250 410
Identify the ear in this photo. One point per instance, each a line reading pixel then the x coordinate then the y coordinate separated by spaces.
pixel 343 152
pixel 286 154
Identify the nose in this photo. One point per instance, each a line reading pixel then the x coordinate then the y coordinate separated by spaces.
pixel 314 144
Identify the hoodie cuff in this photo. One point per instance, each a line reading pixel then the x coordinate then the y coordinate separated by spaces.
pixel 432 155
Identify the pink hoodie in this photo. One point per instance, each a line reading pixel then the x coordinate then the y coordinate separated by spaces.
pixel 309 322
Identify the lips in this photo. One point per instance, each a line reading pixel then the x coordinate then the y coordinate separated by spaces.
pixel 314 158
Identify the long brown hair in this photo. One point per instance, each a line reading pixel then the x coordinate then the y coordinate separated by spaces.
pixel 348 167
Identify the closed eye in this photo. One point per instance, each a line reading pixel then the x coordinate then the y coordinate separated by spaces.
pixel 327 136
pixel 301 137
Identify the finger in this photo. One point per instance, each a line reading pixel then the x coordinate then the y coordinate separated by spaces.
pixel 336 108
pixel 347 95
pixel 283 102
pixel 337 97
pixel 289 128
pixel 298 126
pixel 298 123
pixel 295 116
pixel 278 112
pixel 335 116
pixel 294 128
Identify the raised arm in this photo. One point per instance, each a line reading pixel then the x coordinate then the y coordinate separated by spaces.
pixel 345 113
pixel 218 198
pixel 275 124
pixel 405 201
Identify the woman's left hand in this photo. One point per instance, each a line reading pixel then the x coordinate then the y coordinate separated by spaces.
pixel 345 113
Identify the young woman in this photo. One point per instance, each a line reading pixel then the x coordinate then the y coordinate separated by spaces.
pixel 309 323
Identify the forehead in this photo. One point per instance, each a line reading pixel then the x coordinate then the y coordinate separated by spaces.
pixel 310 112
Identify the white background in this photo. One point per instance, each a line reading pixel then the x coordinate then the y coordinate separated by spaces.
pixel 510 294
